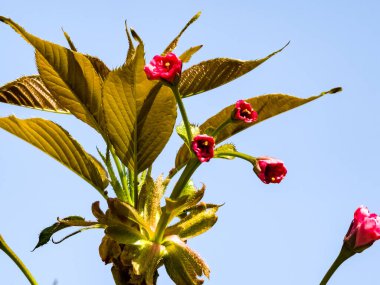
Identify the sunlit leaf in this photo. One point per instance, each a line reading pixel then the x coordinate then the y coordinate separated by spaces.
pixel 174 43
pixel 69 41
pixel 147 260
pixel 31 92
pixel 140 114
pixel 267 106
pixel 183 264
pixel 69 75
pixel 124 234
pixel 47 233
pixel 213 73
pixel 186 56
pixel 57 142
pixel 195 223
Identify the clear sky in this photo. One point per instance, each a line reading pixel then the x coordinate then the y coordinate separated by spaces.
pixel 266 234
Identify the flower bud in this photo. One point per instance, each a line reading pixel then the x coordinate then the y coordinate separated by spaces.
pixel 203 147
pixel 244 112
pixel 270 170
pixel 364 230
pixel 167 68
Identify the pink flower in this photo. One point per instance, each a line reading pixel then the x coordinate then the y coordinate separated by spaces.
pixel 270 170
pixel 244 112
pixel 364 230
pixel 167 68
pixel 203 146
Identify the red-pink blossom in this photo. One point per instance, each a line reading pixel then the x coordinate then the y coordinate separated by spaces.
pixel 203 147
pixel 167 68
pixel 364 229
pixel 244 112
pixel 270 170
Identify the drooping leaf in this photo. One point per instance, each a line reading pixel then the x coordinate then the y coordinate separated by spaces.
pixel 57 142
pixel 174 43
pixel 182 263
pixel 213 73
pixel 140 114
pixel 47 233
pixel 195 223
pixel 186 56
pixel 31 92
pixel 266 106
pixel 109 249
pixel 69 75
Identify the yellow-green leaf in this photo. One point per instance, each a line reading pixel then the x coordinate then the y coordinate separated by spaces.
pixel 124 234
pixel 186 56
pixel 174 43
pixel 69 75
pixel 140 114
pixel 182 263
pixel 266 106
pixel 31 92
pixel 149 201
pixel 195 223
pixel 57 142
pixel 213 73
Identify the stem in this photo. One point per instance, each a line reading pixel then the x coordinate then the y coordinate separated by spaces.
pixel 8 251
pixel 183 113
pixel 238 154
pixel 123 194
pixel 184 178
pixel 344 254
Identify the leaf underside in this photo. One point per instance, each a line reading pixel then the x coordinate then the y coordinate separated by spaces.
pixel 57 142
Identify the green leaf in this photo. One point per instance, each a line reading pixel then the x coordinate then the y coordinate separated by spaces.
pixel 69 75
pixel 124 234
pixel 229 147
pixel 140 114
pixel 182 263
pixel 195 223
pixel 47 233
pixel 31 92
pixel 266 106
pixel 57 142
pixel 181 131
pixel 213 73
pixel 186 56
pixel 174 43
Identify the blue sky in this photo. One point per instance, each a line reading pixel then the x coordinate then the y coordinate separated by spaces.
pixel 266 234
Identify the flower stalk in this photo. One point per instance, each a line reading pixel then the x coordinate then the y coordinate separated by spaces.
pixel 8 251
pixel 182 109
pixel 344 254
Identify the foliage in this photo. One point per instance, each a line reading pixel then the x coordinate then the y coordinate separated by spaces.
pixel 135 116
